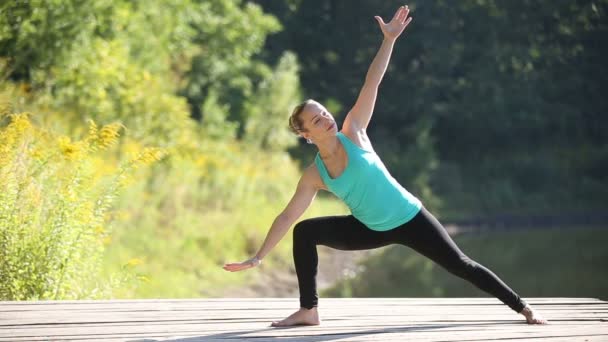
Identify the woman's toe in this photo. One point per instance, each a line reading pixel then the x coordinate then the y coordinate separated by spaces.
pixel 277 324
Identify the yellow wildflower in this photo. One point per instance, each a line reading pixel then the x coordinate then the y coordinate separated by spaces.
pixel 68 148
pixel 25 88
pixel 108 135
pixel 201 161
pixel 134 262
pixel 99 230
pixel 143 278
pixel 20 122
pixel 92 129
pixel 107 240
pixel 36 153
pixel 148 156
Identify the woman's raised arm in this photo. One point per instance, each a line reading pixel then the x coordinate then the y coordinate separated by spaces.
pixel 359 116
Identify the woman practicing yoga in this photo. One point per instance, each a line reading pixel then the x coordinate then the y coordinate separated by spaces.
pixel 383 212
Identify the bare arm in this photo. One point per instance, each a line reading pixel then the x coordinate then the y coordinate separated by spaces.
pixel 301 200
pixel 305 193
pixel 359 116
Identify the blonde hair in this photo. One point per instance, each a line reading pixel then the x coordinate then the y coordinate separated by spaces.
pixel 295 122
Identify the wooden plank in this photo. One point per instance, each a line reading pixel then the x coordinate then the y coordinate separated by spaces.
pixel 361 319
pixel 291 303
pixel 213 310
pixel 223 301
pixel 418 315
pixel 253 329
pixel 273 315
pixel 423 313
pixel 412 331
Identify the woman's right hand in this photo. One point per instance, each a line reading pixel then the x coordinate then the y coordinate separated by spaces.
pixel 239 266
pixel 393 29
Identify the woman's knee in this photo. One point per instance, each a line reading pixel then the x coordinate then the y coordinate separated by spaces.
pixel 303 229
pixel 462 265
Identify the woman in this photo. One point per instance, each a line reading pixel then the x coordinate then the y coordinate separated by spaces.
pixel 383 212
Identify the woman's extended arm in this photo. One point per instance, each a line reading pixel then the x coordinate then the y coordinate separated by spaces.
pixel 359 116
pixel 304 195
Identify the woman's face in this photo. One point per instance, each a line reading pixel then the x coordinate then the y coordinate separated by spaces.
pixel 317 122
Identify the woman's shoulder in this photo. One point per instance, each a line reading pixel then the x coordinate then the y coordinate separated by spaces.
pixel 358 137
pixel 312 176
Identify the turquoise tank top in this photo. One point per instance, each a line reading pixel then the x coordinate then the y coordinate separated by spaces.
pixel 373 196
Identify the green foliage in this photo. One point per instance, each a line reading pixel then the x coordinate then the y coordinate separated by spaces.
pixel 269 107
pixel 109 60
pixel 125 61
pixel 101 83
pixel 36 34
pixel 216 124
pixel 518 104
pixel 229 36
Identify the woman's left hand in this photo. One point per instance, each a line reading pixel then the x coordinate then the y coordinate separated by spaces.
pixel 239 266
pixel 393 29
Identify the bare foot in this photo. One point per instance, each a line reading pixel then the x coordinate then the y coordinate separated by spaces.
pixel 301 317
pixel 532 316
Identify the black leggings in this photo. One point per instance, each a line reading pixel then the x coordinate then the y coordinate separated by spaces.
pixel 423 234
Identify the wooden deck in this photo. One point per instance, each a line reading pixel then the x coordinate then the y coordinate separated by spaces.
pixel 353 319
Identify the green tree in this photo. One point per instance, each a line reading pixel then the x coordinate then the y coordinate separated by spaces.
pixel 269 107
pixel 150 65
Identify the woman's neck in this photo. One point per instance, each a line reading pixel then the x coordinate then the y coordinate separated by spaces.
pixel 329 147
